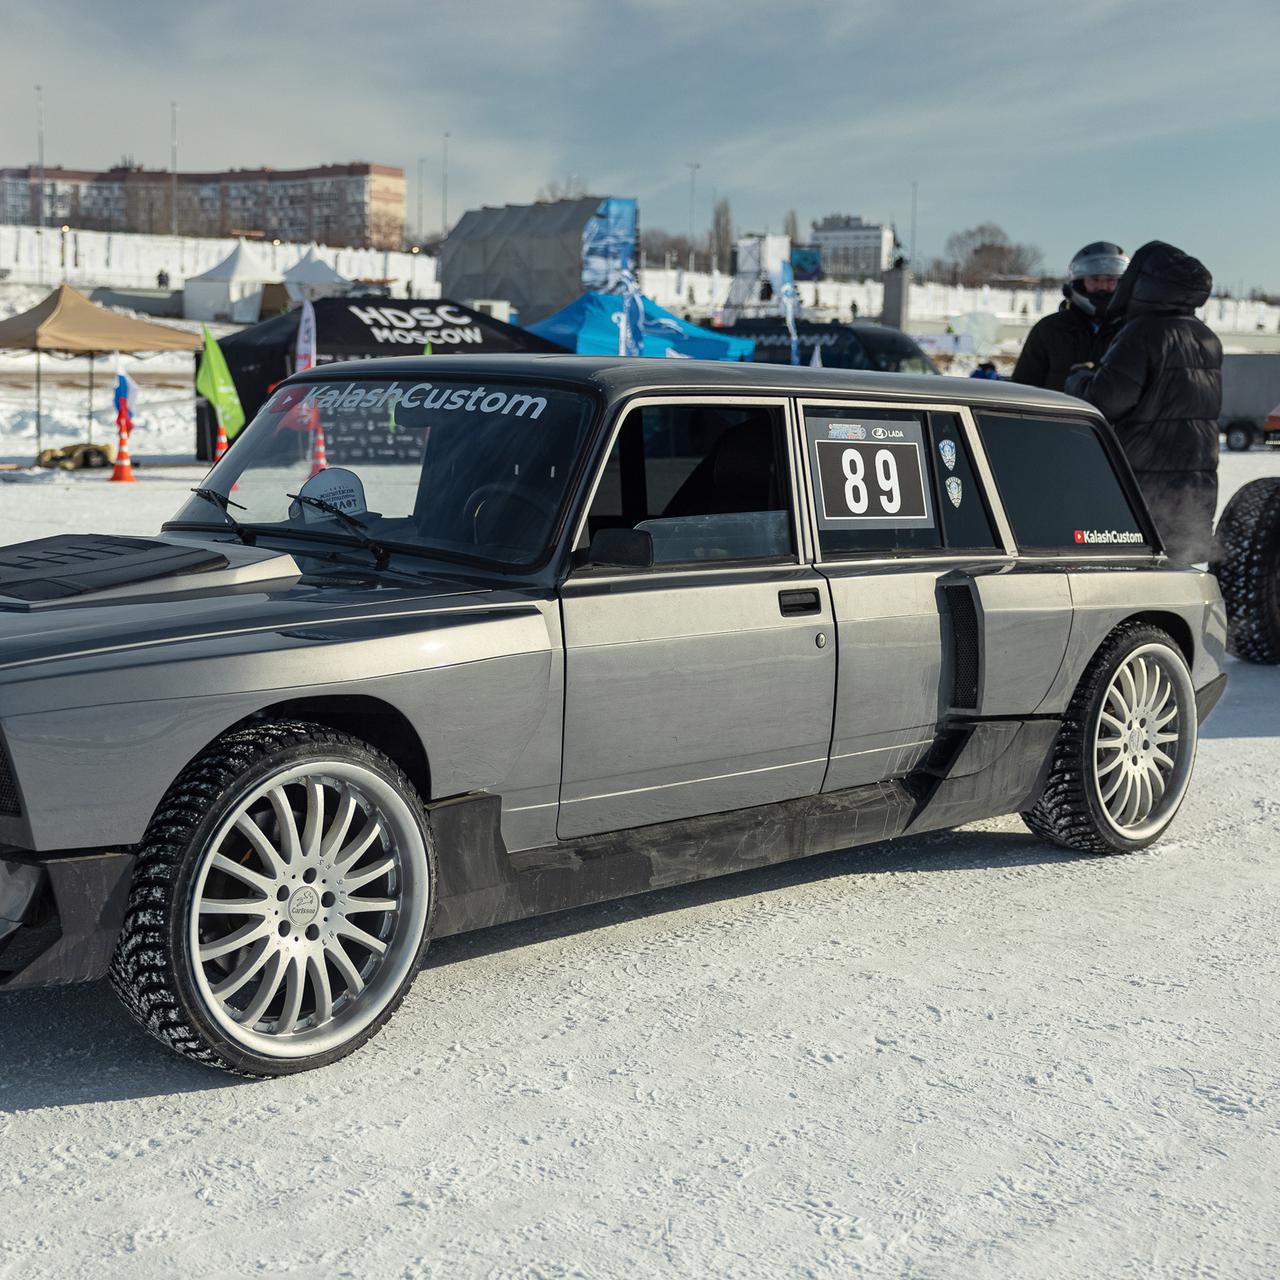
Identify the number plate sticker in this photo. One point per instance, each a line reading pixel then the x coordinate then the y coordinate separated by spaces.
pixel 870 474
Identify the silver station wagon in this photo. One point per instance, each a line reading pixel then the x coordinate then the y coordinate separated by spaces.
pixel 448 642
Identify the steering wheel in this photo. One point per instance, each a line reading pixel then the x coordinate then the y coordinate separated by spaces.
pixel 506 491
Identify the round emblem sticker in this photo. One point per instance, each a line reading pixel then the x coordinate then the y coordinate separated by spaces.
pixel 955 490
pixel 948 450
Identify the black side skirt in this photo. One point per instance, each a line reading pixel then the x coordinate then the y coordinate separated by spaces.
pixel 981 770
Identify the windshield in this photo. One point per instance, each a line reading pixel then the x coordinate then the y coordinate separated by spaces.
pixel 461 469
pixel 892 352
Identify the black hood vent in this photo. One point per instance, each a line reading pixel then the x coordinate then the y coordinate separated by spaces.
pixel 52 570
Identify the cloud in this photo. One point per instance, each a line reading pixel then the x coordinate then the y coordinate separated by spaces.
pixel 1027 113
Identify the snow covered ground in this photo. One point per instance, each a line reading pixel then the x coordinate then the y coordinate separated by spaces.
pixel 962 1055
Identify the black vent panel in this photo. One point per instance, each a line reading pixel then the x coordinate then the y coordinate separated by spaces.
pixel 966 655
pixel 70 565
pixel 8 787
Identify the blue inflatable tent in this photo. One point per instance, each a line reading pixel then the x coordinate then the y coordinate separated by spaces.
pixel 589 327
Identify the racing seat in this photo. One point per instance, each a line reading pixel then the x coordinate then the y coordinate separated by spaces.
pixel 740 473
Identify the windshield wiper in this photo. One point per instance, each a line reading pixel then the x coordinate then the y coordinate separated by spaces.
pixel 223 503
pixel 382 554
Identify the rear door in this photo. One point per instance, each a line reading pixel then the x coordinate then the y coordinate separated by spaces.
pixel 705 682
pixel 901 525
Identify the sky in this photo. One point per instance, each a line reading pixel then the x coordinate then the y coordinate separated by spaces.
pixel 1062 122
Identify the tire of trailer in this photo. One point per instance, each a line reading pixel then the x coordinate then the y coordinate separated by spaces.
pixel 1240 436
pixel 161 970
pixel 1076 809
pixel 1248 570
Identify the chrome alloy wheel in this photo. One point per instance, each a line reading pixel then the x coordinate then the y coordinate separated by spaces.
pixel 1144 741
pixel 308 908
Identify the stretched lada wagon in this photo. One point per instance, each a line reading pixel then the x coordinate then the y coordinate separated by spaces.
pixel 446 642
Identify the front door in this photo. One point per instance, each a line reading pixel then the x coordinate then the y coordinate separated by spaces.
pixel 702 683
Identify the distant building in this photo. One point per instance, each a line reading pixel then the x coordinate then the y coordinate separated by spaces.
pixel 354 205
pixel 852 249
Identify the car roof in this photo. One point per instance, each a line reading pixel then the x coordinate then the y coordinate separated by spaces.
pixel 617 376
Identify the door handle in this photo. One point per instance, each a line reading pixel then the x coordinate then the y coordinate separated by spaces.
pixel 795 604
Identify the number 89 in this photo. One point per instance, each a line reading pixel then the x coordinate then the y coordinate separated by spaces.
pixel 856 496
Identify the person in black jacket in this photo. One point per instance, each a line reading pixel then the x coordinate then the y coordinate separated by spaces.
pixel 1160 386
pixel 1078 331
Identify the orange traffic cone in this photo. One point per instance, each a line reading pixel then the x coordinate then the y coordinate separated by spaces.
pixel 319 458
pixel 123 469
pixel 220 442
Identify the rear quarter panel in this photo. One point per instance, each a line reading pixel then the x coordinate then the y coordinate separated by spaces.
pixel 1103 597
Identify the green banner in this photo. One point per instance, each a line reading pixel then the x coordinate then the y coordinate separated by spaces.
pixel 215 384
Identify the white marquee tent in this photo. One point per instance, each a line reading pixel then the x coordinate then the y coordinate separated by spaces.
pixel 312 277
pixel 230 291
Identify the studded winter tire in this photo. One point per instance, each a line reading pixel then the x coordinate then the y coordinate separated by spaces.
pixel 1248 570
pixel 1123 758
pixel 281 904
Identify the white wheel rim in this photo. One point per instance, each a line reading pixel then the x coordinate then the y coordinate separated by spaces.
pixel 308 908
pixel 1144 742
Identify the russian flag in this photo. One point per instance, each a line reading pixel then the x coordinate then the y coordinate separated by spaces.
pixel 126 396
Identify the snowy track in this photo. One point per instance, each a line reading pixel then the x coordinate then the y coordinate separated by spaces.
pixel 964 1055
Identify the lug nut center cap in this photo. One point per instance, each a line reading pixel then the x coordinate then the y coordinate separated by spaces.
pixel 304 906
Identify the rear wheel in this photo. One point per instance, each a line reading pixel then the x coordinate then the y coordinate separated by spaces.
pixel 281 903
pixel 1123 759
pixel 1248 571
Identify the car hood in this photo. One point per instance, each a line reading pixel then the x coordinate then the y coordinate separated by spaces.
pixel 170 591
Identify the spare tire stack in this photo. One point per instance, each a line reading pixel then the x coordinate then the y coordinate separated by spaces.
pixel 1248 570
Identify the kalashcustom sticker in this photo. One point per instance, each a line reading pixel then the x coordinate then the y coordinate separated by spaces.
pixel 356 397
pixel 1101 537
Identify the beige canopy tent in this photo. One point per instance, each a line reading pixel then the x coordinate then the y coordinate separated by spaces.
pixel 66 322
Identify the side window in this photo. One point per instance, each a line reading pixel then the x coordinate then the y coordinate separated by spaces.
pixel 966 521
pixel 707 482
pixel 871 480
pixel 1058 485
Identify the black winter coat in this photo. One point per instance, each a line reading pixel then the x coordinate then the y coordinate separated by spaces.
pixel 1160 382
pixel 1057 344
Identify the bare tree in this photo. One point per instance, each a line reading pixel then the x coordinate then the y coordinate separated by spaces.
pixel 981 253
pixel 791 226
pixel 722 233
pixel 658 246
pixel 571 187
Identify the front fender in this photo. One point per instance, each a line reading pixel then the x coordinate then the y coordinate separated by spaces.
pixel 91 775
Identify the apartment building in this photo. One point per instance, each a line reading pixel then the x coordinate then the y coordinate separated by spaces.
pixel 357 205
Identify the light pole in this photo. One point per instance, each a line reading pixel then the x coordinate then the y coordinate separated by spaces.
pixel 693 167
pixel 173 168
pixel 444 187
pixel 40 184
pixel 422 160
pixel 912 250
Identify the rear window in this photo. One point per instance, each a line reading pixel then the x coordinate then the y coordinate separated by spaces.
pixel 1058 486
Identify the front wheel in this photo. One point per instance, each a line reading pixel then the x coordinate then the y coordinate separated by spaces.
pixel 281 903
pixel 1123 758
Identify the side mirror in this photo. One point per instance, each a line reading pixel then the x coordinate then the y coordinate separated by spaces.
pixel 632 548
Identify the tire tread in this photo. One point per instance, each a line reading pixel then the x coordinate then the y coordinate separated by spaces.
pixel 143 967
pixel 1248 571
